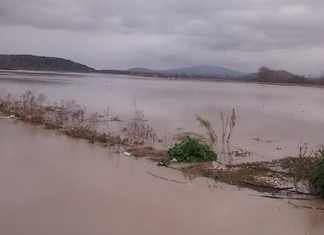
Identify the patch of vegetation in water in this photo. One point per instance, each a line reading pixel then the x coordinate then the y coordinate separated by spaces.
pixel 317 174
pixel 317 179
pixel 191 150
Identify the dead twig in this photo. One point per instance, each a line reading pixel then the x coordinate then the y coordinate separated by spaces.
pixel 305 207
pixel 160 177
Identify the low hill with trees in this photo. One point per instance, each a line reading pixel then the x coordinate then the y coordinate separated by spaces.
pixel 41 63
pixel 268 75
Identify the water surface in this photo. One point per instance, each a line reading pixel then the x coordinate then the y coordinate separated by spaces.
pixel 53 184
pixel 282 117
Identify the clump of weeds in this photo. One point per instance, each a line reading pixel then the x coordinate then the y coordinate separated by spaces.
pixel 29 107
pixel 66 116
pixel 228 124
pixel 138 131
pixel 316 179
pixel 191 150
pixel 212 136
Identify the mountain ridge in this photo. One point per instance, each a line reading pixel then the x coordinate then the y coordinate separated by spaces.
pixel 193 70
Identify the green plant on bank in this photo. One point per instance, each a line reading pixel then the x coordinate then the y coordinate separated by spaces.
pixel 191 150
pixel 317 174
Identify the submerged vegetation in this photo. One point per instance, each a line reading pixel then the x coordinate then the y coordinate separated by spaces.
pixel 317 178
pixel 317 173
pixel 138 131
pixel 74 120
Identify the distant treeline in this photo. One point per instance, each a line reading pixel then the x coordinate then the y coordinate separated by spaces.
pixel 264 75
pixel 43 63
pixel 267 75
pixel 171 76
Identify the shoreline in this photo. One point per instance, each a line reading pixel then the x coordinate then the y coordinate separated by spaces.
pixel 156 78
pixel 260 176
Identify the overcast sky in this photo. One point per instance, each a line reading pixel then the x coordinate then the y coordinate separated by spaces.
pixel 239 34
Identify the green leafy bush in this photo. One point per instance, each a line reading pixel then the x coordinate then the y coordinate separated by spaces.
pixel 317 175
pixel 191 150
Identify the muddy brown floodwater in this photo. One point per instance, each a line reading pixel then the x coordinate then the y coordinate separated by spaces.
pixel 53 184
pixel 272 119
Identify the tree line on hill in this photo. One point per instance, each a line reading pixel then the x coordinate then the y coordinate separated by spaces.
pixel 264 75
pixel 43 63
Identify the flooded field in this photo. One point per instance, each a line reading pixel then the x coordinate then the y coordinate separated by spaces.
pixel 272 120
pixel 53 184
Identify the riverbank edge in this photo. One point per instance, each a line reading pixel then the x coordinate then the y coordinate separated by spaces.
pixel 287 176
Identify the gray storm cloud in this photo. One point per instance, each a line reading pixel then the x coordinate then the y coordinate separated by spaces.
pixel 240 34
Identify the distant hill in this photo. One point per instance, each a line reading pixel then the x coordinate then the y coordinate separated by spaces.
pixel 141 70
pixel 194 70
pixel 41 63
pixel 44 63
pixel 203 70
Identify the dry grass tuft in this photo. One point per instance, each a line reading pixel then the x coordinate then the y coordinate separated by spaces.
pixel 212 136
pixel 228 124
pixel 138 131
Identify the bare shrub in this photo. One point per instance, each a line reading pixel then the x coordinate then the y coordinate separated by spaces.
pixel 29 107
pixel 107 118
pixel 303 150
pixel 32 106
pixel 7 102
pixel 81 124
pixel 139 131
pixel 63 111
pixel 228 124
pixel 67 116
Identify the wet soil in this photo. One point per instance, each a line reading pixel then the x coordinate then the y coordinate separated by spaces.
pixel 288 176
